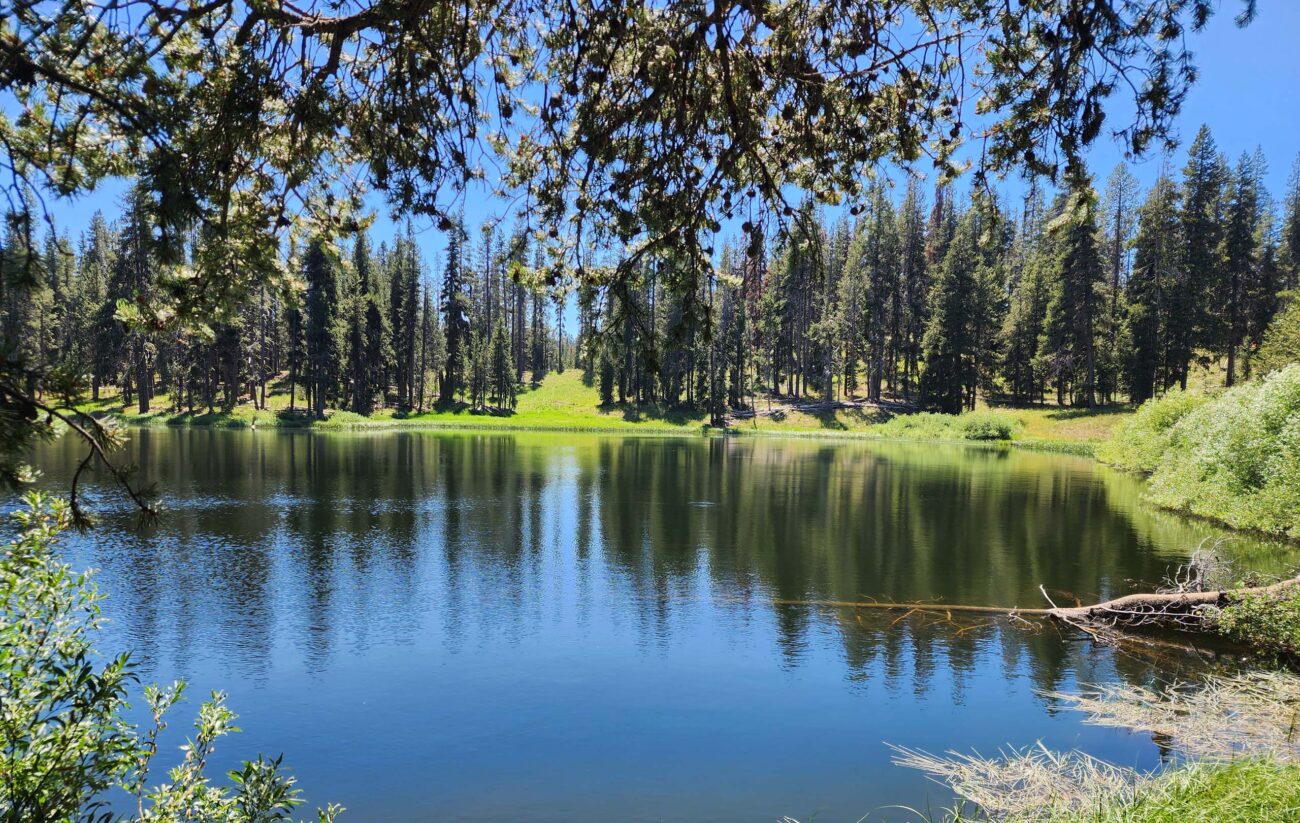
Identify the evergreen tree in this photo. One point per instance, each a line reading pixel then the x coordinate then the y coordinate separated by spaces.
pixel 1241 260
pixel 128 353
pixel 1289 252
pixel 433 349
pixel 1157 272
pixel 914 283
pixel 1070 327
pixel 27 299
pixel 455 312
pixel 1191 319
pixel 502 372
pixel 321 273
pixel 95 267
pixel 365 331
pixel 948 345
pixel 1119 223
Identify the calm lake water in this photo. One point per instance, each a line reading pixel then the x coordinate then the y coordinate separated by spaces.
pixel 439 626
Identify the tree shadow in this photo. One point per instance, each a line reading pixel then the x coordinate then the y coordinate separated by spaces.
pixel 656 412
pixel 1083 413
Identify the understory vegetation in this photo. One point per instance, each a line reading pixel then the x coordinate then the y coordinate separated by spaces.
pixel 563 402
pixel 1233 457
pixel 65 741
pixel 1268 622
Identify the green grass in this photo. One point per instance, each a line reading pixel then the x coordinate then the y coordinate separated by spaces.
pixel 562 402
pixel 1246 791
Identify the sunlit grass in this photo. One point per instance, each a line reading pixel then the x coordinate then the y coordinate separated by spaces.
pixel 563 402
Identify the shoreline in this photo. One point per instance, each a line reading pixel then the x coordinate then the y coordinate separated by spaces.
pixel 1074 448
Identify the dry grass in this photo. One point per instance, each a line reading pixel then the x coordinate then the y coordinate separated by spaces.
pixel 1032 783
pixel 1251 713
pixel 1230 731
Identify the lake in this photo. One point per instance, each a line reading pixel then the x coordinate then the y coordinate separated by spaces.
pixel 474 627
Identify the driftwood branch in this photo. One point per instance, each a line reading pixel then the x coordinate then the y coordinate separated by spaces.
pixel 1180 610
pixel 1170 607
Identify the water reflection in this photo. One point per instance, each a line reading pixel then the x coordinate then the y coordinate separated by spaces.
pixel 581 627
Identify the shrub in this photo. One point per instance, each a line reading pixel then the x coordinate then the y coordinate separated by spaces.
pixel 1237 458
pixel 1281 345
pixel 1270 622
pixel 976 425
pixel 1234 457
pixel 64 739
pixel 1138 443
pixel 986 425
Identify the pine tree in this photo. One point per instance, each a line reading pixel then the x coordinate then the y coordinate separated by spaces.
pixel 1157 272
pixel 914 283
pixel 948 345
pixel 1241 260
pixel 27 299
pixel 1289 251
pixel 455 312
pixel 433 349
pixel 95 265
pixel 365 330
pixel 131 280
pixel 1119 222
pixel 1022 330
pixel 1191 319
pixel 883 291
pixel 1069 336
pixel 502 372
pixel 320 271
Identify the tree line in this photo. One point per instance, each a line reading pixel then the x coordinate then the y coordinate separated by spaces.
pixel 364 328
pixel 1080 298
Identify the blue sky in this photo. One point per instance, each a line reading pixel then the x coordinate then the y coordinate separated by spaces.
pixel 1247 93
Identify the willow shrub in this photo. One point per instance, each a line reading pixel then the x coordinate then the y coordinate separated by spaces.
pixel 1234 457
pixel 64 739
pixel 1138 443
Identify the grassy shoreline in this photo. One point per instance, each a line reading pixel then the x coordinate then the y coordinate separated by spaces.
pixel 563 403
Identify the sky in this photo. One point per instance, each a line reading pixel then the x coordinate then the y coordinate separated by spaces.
pixel 1247 94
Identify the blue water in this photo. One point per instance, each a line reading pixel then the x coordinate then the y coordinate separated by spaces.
pixel 436 626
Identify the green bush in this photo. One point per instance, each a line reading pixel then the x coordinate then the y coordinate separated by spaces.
pixel 1234 457
pixel 986 425
pixel 1281 346
pixel 1269 622
pixel 1237 458
pixel 975 425
pixel 64 740
pixel 1138 443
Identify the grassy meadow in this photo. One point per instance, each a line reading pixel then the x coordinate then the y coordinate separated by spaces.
pixel 563 402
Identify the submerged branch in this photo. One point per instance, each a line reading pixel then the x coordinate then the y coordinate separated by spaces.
pixel 1189 611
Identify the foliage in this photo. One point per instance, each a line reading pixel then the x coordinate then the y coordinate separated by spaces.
pixel 976 425
pixel 986 425
pixel 64 739
pixel 1138 443
pixel 1281 344
pixel 617 121
pixel 1236 458
pixel 1269 622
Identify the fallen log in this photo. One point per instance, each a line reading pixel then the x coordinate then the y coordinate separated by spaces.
pixel 1186 610
pixel 1160 607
